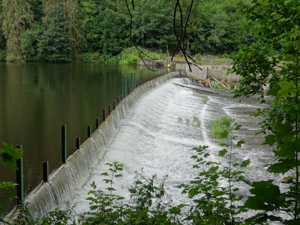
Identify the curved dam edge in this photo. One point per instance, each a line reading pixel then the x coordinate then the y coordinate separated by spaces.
pixel 66 180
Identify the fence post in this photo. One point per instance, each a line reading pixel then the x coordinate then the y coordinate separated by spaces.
pixel 118 99
pixel 20 180
pixel 129 85
pixel 114 105
pixel 125 88
pixel 109 109
pixel 63 144
pixel 97 123
pixel 78 143
pixel 134 83
pixel 45 171
pixel 89 131
pixel 122 89
pixel 103 115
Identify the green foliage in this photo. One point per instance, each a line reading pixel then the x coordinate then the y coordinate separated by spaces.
pixel 71 28
pixel 2 55
pixel 103 26
pixel 153 24
pixel 274 60
pixel 56 217
pixel 217 86
pixel 8 158
pixel 30 41
pixel 215 203
pixel 145 206
pixel 89 57
pixel 220 127
pixel 17 16
pixel 204 100
pixel 196 121
pixel 219 30
pixel 55 44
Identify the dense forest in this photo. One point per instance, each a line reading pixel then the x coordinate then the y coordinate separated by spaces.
pixel 96 30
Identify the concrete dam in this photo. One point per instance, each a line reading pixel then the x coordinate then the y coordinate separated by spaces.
pixel 153 129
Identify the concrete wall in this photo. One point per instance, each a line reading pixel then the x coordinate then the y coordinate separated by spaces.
pixel 218 72
pixel 222 75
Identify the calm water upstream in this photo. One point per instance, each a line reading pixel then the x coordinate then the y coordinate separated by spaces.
pixel 36 99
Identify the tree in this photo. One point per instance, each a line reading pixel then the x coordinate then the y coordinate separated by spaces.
pixel 104 26
pixel 17 16
pixel 153 24
pixel 215 27
pixel 274 60
pixel 55 44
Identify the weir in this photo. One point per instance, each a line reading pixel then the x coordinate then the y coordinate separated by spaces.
pixel 158 134
pixel 65 181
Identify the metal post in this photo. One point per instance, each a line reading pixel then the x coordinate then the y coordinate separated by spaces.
pixel 109 109
pixel 125 88
pixel 134 75
pixel 19 179
pixel 78 143
pixel 122 89
pixel 129 85
pixel 118 99
pixel 103 115
pixel 97 123
pixel 114 105
pixel 63 144
pixel 89 131
pixel 45 171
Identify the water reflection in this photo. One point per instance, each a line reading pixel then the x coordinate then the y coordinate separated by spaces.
pixel 35 99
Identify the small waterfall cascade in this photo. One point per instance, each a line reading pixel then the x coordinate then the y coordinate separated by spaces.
pixel 159 132
pixel 69 178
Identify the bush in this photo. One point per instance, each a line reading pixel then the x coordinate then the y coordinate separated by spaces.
pixel 2 55
pixel 220 127
pixel 89 57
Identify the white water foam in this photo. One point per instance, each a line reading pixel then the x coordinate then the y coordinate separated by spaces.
pixel 158 133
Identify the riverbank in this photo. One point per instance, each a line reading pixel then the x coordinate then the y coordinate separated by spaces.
pixel 132 56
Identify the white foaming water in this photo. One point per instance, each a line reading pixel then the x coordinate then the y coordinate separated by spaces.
pixel 159 132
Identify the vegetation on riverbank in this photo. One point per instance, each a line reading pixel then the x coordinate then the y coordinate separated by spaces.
pixel 99 30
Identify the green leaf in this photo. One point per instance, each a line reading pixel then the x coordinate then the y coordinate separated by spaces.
pixel 286 88
pixel 245 163
pixel 270 140
pixel 239 144
pixel 266 197
pixel 223 152
pixel 282 166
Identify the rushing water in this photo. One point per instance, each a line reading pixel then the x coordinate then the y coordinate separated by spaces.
pixel 158 133
pixel 35 99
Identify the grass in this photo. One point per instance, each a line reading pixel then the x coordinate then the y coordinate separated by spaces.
pixel 187 121
pixel 131 56
pixel 215 86
pixel 196 121
pixel 221 127
pixel 204 100
pixel 179 120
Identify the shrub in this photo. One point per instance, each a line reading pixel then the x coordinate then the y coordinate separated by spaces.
pixel 220 127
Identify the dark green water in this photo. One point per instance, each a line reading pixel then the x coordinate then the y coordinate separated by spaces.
pixel 36 99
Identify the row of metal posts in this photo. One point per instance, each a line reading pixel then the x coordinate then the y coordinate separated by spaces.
pixel 128 85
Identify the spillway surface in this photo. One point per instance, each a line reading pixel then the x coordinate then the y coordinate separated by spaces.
pixel 159 132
